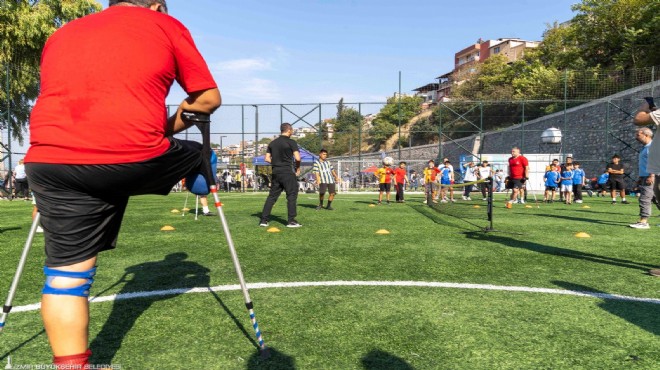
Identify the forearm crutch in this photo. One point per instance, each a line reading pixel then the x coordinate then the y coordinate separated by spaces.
pixel 19 271
pixel 203 122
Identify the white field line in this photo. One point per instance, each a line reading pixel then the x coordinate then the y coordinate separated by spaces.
pixel 424 284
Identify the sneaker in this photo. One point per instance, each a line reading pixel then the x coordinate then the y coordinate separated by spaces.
pixel 329 208
pixel 425 201
pixel 578 201
pixel 388 202
pixel 485 199
pixel 464 197
pixel 624 202
pixel 640 225
pixel 208 214
pixel 40 229
pixel 614 202
pixel 293 223
pixel 443 201
pixel 468 198
pixel 452 200
pixel 318 208
pixel 522 201
pixel 263 223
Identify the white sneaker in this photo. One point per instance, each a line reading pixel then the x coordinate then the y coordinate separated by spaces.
pixel 485 199
pixel 40 229
pixel 443 201
pixel 425 201
pixel 464 197
pixel 578 201
pixel 468 198
pixel 640 225
pixel 522 201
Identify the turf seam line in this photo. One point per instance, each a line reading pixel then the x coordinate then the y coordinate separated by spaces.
pixel 303 284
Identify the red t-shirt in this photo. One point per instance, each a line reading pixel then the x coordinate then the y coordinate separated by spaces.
pixel 104 80
pixel 517 167
pixel 400 175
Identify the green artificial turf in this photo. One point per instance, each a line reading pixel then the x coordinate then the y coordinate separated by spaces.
pixel 359 327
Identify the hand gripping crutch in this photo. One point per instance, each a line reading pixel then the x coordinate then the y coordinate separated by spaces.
pixel 203 122
pixel 19 271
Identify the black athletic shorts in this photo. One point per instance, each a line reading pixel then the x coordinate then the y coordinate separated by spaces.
pixel 550 188
pixel 616 184
pixel 327 187
pixel 516 184
pixel 385 187
pixel 82 206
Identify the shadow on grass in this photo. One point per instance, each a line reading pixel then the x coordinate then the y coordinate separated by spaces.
pixel 582 219
pixel 443 218
pixel 279 219
pixel 11 228
pixel 557 251
pixel 644 315
pixel 8 353
pixel 380 360
pixel 174 272
pixel 277 361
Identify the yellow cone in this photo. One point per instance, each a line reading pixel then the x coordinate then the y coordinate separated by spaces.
pixel 528 206
pixel 476 206
pixel 166 228
pixel 382 232
pixel 586 207
pixel 582 235
pixel 186 209
pixel 372 205
pixel 174 211
pixel 273 230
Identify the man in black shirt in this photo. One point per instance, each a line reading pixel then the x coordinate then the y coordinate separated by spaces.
pixel 284 157
pixel 615 169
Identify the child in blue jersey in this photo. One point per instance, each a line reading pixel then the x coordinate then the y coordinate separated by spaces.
pixel 446 180
pixel 566 181
pixel 579 180
pixel 603 179
pixel 551 180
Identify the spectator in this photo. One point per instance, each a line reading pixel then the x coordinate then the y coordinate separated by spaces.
pixel 484 172
pixel 601 184
pixel 499 180
pixel 518 174
pixel 99 133
pixel 551 179
pixel 579 180
pixel 400 179
pixel 470 176
pixel 615 170
pixel 646 180
pixel 345 181
pixel 284 156
pixel 21 181
pixel 414 180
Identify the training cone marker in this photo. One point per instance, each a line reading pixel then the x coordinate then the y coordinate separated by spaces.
pixel 586 207
pixel 528 206
pixel 382 232
pixel 372 205
pixel 508 205
pixel 186 209
pixel 476 206
pixel 582 235
pixel 273 230
pixel 167 228
pixel 174 211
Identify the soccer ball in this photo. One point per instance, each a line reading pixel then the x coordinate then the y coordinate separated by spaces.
pixel 388 161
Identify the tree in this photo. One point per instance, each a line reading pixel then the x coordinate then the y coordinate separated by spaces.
pixel 25 25
pixel 396 112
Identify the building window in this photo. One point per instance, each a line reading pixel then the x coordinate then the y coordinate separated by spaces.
pixel 496 50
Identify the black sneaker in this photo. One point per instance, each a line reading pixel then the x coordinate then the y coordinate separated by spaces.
pixel 329 208
pixel 318 208
pixel 624 202
pixel 208 214
pixel 263 223
pixel 293 223
pixel 614 202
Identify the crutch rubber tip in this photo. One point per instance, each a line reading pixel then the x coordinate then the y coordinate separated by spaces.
pixel 265 354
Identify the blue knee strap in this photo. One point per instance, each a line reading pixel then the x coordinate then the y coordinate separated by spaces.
pixel 79 291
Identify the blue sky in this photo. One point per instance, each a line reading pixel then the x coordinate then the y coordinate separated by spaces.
pixel 317 51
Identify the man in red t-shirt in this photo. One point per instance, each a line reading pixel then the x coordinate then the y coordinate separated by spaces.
pixel 518 174
pixel 99 133
pixel 400 178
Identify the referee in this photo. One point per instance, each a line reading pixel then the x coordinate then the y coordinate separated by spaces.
pixel 326 177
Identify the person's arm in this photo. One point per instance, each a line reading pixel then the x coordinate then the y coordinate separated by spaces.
pixel 296 156
pixel 337 179
pixel 205 101
pixel 644 116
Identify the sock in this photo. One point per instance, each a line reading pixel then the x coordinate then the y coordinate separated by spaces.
pixel 72 362
pixel 329 203
pixel 613 199
pixel 205 209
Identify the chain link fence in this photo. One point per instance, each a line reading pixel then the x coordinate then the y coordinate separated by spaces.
pixel 592 110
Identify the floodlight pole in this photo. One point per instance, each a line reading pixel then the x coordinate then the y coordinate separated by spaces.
pixel 399 118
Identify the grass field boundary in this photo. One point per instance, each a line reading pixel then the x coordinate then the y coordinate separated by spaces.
pixel 411 284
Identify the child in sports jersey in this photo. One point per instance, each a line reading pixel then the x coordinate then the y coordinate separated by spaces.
pixel 446 180
pixel 551 180
pixel 579 180
pixel 385 176
pixel 567 183
pixel 430 174
pixel 603 179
